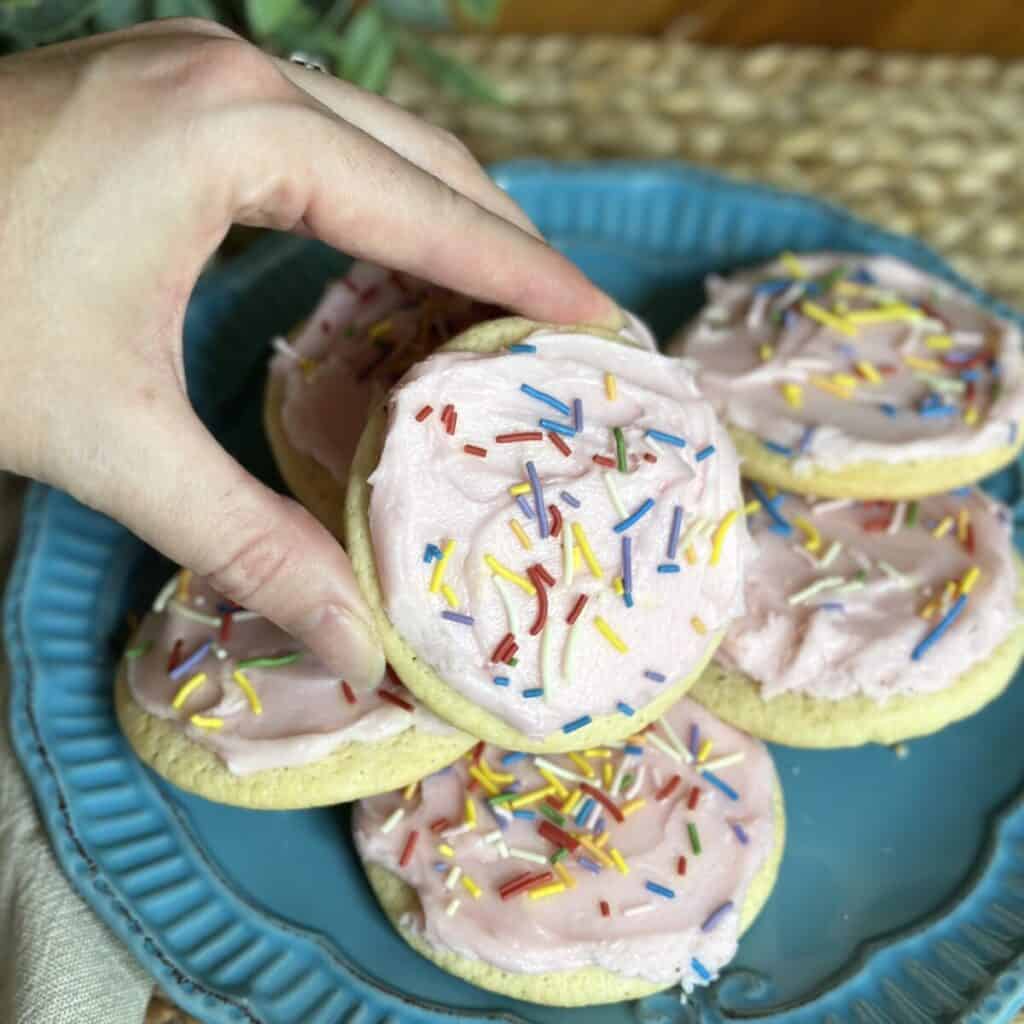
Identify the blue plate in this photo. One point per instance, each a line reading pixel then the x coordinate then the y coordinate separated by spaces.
pixel 901 897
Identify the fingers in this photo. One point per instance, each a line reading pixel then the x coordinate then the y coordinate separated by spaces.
pixel 435 151
pixel 352 191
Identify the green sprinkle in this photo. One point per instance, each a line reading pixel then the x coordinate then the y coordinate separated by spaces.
pixel 560 854
pixel 278 662
pixel 137 651
pixel 620 449
pixel 513 662
pixel 912 514
pixel 502 798
pixel 694 838
pixel 828 281
pixel 551 814
pixel 627 781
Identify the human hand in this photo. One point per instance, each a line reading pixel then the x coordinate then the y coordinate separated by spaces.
pixel 125 160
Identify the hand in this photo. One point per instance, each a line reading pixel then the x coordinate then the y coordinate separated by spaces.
pixel 125 159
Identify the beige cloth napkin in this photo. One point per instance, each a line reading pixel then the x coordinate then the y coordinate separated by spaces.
pixel 59 964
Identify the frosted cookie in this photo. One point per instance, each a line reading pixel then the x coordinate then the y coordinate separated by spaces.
pixel 583 878
pixel 870 621
pixel 549 533
pixel 369 328
pixel 222 703
pixel 852 376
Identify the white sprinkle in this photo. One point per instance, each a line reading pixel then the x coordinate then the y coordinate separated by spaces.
pixel 453 907
pixel 503 850
pixel 453 877
pixel 187 613
pixel 219 652
pixel 613 494
pixel 825 583
pixel 165 594
pixel 620 774
pixel 547 669
pixel 493 837
pixel 755 314
pixel 395 817
pixel 569 657
pixel 506 599
pixel 905 582
pixel 862 560
pixel 281 345
pixel 533 858
pixel 898 514
pixel 652 444
pixel 245 616
pixel 725 761
pixel 568 562
pixel 591 819
pixel 831 555
pixel 673 738
pixel 457 830
pixel 823 507
pixel 638 781
pixel 556 769
pixel 851 587
pixel 968 337
pixel 653 737
pixel 640 908
pixel 790 295
pixel 693 532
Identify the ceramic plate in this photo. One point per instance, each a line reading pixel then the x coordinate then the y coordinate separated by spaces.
pixel 901 897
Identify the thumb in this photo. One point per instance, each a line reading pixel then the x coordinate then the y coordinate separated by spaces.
pixel 178 490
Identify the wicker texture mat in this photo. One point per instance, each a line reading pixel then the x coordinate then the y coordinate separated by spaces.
pixel 931 146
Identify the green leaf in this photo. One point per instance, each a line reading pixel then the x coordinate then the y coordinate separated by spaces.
pixel 265 17
pixel 45 22
pixel 376 69
pixel 481 11
pixel 461 78
pixel 357 42
pixel 187 9
pixel 115 14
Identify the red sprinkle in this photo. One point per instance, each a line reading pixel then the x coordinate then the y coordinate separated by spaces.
pixel 395 699
pixel 410 845
pixel 439 825
pixel 668 789
pixel 534 572
pixel 452 420
pixel 876 525
pixel 523 882
pixel 424 413
pixel 603 460
pixel 500 653
pixel 577 609
pixel 472 786
pixel 556 522
pixel 681 865
pixel 477 751
pixel 172 661
pixel 553 834
pixel 511 652
pixel 224 635
pixel 369 293
pixel 392 676
pixel 603 799
pixel 475 449
pixel 606 911
pixel 559 444
pixel 650 457
pixel 346 283
pixel 523 435
pixel 545 575
pixel 694 797
pixel 347 690
pixel 969 543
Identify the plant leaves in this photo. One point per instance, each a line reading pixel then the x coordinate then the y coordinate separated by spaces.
pixel 376 69
pixel 483 12
pixel 357 42
pixel 265 17
pixel 115 14
pixel 187 9
pixel 47 21
pixel 462 78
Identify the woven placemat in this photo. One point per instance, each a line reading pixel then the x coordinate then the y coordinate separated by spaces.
pixel 931 146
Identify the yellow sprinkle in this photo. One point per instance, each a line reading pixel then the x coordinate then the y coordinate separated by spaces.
pixel 691 555
pixel 577 559
pixel 602 839
pixel 793 394
pixel 813 542
pixel 520 533
pixel 437 576
pixel 601 752
pixel 187 689
pixel 534 796
pixel 963 522
pixel 247 688
pixel 204 722
pixel 608 773
pixel 793 266
pixel 516 489
pixel 917 363
pixel 445 850
pixel 610 386
pixel 885 314
pixel 698 625
pixel 824 384
pixel 971 415
pixel 617 859
pixel 721 532
pixel 490 787
pixel 553 781
pixel 632 807
pixel 499 777
pixel 184 579
pixel 618 587
pixel 379 328
pixel 868 372
pixel 471 887
pixel 928 610
pixel 410 791
pixel 449 596
pixel 969 579
pixel 949 591
pixel 565 876
pixel 846 380
pixel 943 528
pixel 766 352
pixel 470 812
pixel 610 635
pixel 506 573
pixel 751 507
pixel 823 316
pixel 704 752
pixel 581 763
pixel 574 798
pixel 543 891
pixel 939 342
pixel 308 366
pixel 591 847
pixel 588 554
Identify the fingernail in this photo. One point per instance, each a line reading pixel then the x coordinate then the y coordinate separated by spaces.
pixel 347 644
pixel 613 319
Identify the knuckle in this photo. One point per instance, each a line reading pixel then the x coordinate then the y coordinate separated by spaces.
pixel 230 68
pixel 451 149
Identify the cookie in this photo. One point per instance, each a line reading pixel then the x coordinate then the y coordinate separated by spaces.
pixel 843 375
pixel 585 878
pixel 547 579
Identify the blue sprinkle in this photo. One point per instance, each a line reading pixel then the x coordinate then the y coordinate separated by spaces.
pixel 440 866
pixel 772 286
pixel 543 396
pixel 179 671
pixel 632 748
pixel 768 504
pixel 673 439
pixel 660 890
pixel 941 626
pixel 722 785
pixel 535 691
pixel 524 506
pixel 635 517
pixel 501 680
pixel 599 826
pixel 577 414
pixel 431 553
pixel 971 374
pixel 711 921
pixel 499 816
pixel 627 599
pixel 832 606
pixel 779 449
pixel 558 428
pixel 668 567
pixel 591 866
pixel 512 757
pixel 888 408
pixel 741 833
pixel 585 808
pixel 805 440
pixel 576 723
pixel 961 492
pixel 694 738
pixel 790 318
pixel 463 620
pixel 705 453
pixel 627 565
pixel 224 607
pixel 655 677
pixel 932 411
pixel 522 348
pixel 569 499
pixel 863 276
pixel 625 709
pixel 538 500
pixel 673 533
pixel 701 970
pixel 525 813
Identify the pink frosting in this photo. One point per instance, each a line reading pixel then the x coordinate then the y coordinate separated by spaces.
pixel 882 568
pixel 305 712
pixel 369 327
pixel 428 490
pixel 686 932
pixel 920 385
